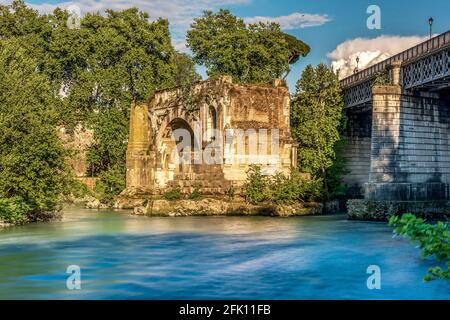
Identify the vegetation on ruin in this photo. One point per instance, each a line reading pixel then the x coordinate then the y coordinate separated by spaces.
pixel 173 194
pixel 317 122
pixel 433 239
pixel 195 194
pixel 250 53
pixel 381 79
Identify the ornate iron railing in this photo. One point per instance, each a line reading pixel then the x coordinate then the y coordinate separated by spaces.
pixel 424 63
pixel 423 49
pixel 428 69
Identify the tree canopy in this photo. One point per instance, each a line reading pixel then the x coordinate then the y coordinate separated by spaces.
pixel 226 45
pixel 32 165
pixel 91 74
pixel 317 119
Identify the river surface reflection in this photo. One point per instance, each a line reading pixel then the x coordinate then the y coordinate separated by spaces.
pixel 122 256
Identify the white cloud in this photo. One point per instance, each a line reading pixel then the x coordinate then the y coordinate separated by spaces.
pixel 295 20
pixel 180 13
pixel 369 51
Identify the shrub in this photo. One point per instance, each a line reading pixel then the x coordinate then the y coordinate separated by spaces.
pixel 308 190
pixel 283 190
pixel 297 187
pixel 280 189
pixel 14 210
pixel 195 195
pixel 433 239
pixel 109 184
pixel 78 189
pixel 255 188
pixel 230 193
pixel 173 194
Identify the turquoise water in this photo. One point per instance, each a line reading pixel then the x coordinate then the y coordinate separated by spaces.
pixel 129 257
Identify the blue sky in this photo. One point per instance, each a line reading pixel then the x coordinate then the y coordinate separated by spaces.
pixel 346 22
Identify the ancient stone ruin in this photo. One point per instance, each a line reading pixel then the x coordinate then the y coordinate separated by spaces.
pixel 206 138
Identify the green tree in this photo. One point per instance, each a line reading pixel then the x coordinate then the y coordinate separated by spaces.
pixel 226 45
pixel 93 74
pixel 110 183
pixel 184 70
pixel 317 120
pixel 32 166
pixel 106 157
pixel 110 140
pixel 131 58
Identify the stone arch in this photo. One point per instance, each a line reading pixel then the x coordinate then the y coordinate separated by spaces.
pixel 173 157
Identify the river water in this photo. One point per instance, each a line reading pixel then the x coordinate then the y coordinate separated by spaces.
pixel 122 256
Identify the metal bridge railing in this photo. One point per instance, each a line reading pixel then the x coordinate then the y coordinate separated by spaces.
pixel 423 49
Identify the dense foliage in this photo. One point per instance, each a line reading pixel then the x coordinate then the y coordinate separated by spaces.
pixel 90 74
pixel 226 45
pixel 110 183
pixel 433 239
pixel 14 210
pixel 279 188
pixel 317 120
pixel 32 166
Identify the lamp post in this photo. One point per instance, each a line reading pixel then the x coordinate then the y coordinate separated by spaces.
pixel 430 22
pixel 357 65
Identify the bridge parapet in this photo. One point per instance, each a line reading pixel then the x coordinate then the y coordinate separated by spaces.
pixel 424 65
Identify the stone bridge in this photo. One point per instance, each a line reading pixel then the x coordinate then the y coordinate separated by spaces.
pixel 205 125
pixel 398 128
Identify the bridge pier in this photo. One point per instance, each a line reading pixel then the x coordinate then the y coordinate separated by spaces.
pixel 399 144
pixel 410 152
pixel 398 114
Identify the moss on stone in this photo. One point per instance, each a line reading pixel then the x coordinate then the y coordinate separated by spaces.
pixel 371 210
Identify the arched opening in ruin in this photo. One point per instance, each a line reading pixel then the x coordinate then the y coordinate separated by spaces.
pixel 211 124
pixel 177 151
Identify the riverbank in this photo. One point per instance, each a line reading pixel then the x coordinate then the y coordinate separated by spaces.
pixel 16 211
pixel 218 207
pixel 370 210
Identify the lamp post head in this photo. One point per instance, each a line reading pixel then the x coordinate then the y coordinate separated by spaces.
pixel 430 21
